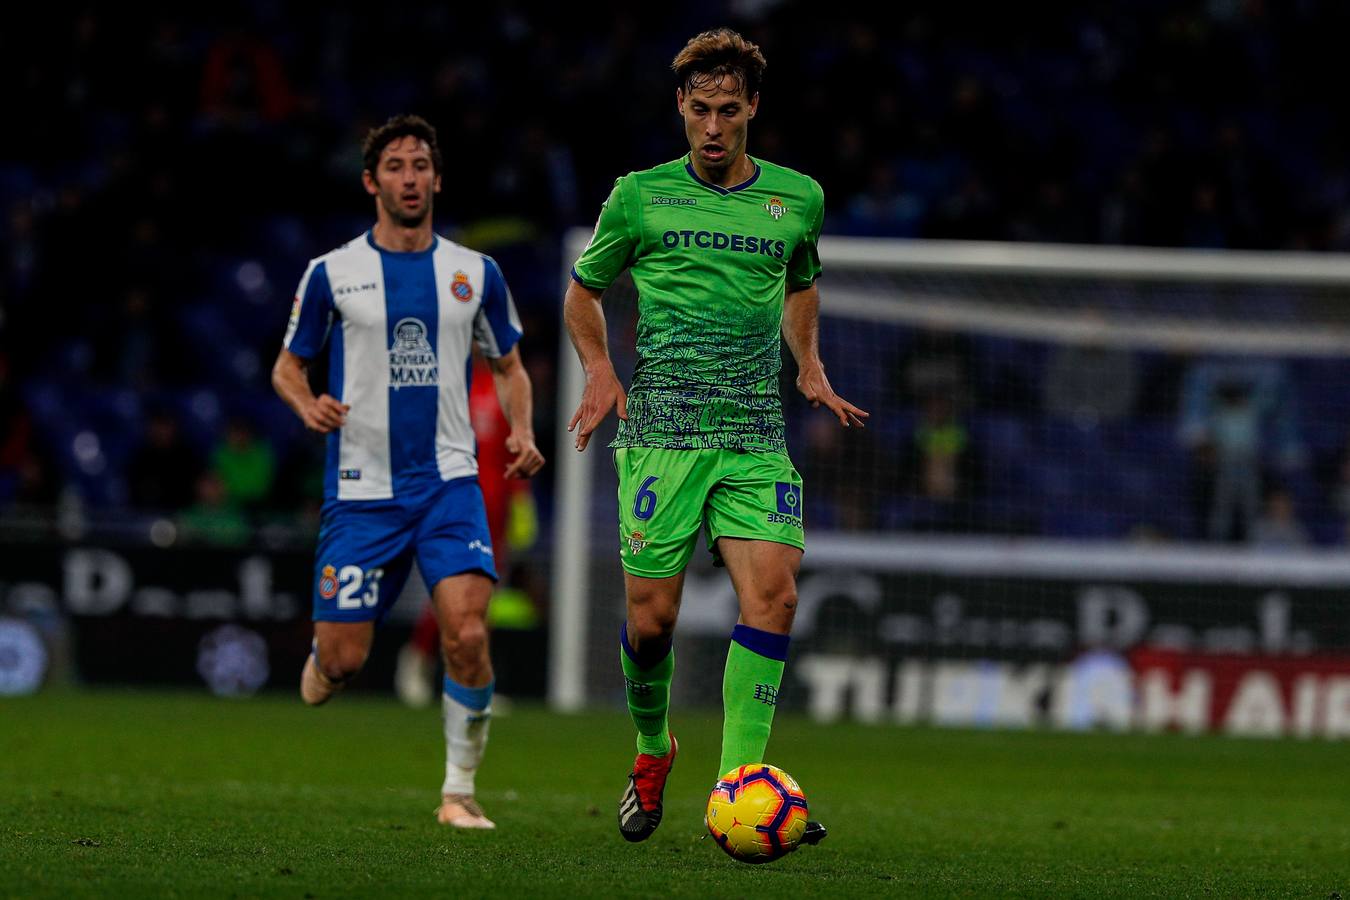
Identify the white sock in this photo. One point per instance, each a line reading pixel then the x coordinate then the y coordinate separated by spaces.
pixel 466 712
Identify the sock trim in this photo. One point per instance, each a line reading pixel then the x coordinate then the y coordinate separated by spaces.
pixel 474 698
pixel 632 654
pixel 764 643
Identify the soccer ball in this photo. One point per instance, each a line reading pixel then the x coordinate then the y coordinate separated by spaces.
pixel 757 813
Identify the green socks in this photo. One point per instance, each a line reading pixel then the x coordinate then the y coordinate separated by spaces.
pixel 648 693
pixel 750 683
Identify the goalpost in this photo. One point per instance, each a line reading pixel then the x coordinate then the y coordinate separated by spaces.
pixel 1101 487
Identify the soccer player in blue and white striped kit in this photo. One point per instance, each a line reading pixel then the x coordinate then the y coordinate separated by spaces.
pixel 399 309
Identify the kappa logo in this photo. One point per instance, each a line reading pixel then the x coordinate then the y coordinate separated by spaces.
pixel 328 583
pixel 412 361
pixel 636 544
pixel 776 208
pixel 461 287
pixel 674 201
pixel 481 547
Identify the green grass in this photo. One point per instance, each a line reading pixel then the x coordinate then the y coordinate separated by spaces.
pixel 173 794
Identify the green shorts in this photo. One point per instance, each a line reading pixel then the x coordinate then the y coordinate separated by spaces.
pixel 665 496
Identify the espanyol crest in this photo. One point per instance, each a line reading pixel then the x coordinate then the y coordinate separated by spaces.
pixel 775 208
pixel 461 287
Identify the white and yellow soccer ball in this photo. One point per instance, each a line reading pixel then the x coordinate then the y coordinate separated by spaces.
pixel 757 813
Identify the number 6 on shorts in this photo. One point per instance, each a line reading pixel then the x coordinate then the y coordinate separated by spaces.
pixel 644 504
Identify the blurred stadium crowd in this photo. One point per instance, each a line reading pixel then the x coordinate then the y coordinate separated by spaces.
pixel 169 173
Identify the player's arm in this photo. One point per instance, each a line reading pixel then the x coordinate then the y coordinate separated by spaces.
pixel 290 379
pixel 801 330
pixel 585 320
pixel 515 395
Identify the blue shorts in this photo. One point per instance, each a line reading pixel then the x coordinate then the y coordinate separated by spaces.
pixel 366 547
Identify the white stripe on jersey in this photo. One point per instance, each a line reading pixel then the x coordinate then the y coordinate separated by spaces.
pixel 455 448
pixel 356 278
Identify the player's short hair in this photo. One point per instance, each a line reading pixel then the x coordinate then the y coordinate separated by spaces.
pixel 399 126
pixel 716 55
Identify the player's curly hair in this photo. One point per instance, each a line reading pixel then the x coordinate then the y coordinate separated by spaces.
pixel 399 126
pixel 716 55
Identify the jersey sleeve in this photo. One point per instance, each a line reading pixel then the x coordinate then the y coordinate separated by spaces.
pixel 311 313
pixel 496 327
pixel 804 266
pixel 613 246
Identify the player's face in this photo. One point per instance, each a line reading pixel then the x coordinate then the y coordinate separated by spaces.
pixel 404 181
pixel 716 122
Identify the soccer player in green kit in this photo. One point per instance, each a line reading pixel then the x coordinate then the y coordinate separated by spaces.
pixel 722 249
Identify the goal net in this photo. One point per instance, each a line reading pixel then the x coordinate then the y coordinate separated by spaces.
pixel 1100 487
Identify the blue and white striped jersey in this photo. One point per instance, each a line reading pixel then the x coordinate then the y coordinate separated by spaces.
pixel 399 328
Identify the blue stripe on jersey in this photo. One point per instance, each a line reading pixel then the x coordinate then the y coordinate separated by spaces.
pixel 497 306
pixel 412 311
pixel 335 376
pixel 336 356
pixel 316 309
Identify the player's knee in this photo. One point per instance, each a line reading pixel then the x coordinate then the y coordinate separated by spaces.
pixel 466 638
pixel 653 623
pixel 773 609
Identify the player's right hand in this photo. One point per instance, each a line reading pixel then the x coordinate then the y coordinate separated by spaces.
pixel 603 392
pixel 325 414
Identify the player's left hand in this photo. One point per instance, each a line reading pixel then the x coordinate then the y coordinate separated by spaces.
pixel 815 387
pixel 528 459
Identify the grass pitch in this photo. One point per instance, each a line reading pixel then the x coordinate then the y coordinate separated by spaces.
pixel 136 794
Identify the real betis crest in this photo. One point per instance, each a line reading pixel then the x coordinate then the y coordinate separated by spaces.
pixel 775 208
pixel 636 544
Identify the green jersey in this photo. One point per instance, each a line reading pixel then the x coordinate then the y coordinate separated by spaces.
pixel 711 266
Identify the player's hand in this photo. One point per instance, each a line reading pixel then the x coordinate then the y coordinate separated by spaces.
pixel 528 459
pixel 325 414
pixel 815 387
pixel 603 393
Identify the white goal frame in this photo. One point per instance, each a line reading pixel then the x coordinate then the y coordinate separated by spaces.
pixel 572 537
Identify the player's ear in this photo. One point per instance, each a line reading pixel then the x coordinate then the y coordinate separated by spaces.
pixel 436 184
pixel 754 105
pixel 679 100
pixel 368 180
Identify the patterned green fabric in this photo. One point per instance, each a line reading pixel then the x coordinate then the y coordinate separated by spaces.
pixel 711 266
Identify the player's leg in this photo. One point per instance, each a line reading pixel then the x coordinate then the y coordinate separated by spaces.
pixel 660 511
pixel 360 565
pixel 648 657
pixel 765 577
pixel 755 527
pixel 454 554
pixel 461 603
